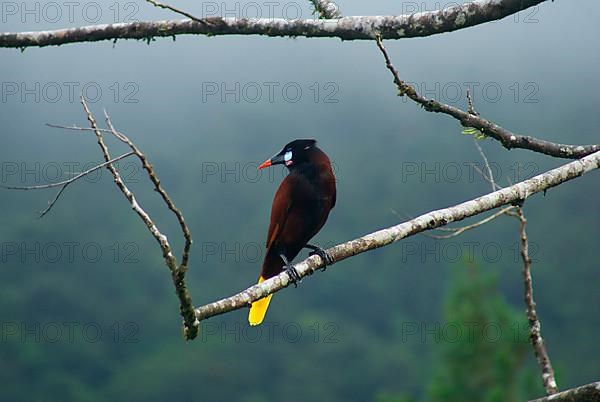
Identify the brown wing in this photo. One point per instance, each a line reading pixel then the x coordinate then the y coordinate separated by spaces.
pixel 282 204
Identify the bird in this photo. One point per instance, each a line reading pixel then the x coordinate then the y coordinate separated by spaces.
pixel 300 208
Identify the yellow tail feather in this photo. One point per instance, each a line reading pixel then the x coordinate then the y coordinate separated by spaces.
pixel 259 308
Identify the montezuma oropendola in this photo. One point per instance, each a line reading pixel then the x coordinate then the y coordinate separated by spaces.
pixel 300 208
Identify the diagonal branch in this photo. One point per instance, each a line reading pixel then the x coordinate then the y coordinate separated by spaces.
pixel 535 331
pixel 421 24
pixel 159 189
pixel 509 195
pixel 191 325
pixel 507 138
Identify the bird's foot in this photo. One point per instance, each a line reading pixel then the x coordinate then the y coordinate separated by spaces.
pixel 293 274
pixel 325 256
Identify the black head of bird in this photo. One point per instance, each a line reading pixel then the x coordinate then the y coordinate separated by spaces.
pixel 295 154
pixel 300 209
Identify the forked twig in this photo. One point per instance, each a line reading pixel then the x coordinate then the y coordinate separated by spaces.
pixel 63 184
pixel 191 324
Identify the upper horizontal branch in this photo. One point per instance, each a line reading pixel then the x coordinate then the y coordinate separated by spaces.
pixel 348 28
pixel 431 220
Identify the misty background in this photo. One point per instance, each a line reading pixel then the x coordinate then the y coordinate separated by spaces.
pixel 87 306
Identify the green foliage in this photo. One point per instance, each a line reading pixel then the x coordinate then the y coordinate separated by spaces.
pixel 483 357
pixel 384 397
pixel 476 133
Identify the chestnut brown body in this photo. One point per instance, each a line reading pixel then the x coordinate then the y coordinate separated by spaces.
pixel 300 209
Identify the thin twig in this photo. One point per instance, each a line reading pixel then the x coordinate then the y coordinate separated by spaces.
pixel 535 332
pixel 482 173
pixel 78 128
pixel 490 177
pixel 63 184
pixel 470 106
pixel 458 231
pixel 178 11
pixel 68 181
pixel 487 166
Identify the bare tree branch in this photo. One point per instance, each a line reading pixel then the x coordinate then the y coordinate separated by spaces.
pixel 63 184
pixel 151 174
pixel 509 195
pixel 507 138
pixel 326 9
pixel 159 189
pixel 458 231
pixel 421 24
pixel 535 330
pixel 585 393
pixel 191 325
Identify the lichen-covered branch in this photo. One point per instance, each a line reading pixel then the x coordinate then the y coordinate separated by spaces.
pixel 509 195
pixel 326 9
pixel 507 138
pixel 535 328
pixel 191 325
pixel 585 393
pixel 187 235
pixel 426 23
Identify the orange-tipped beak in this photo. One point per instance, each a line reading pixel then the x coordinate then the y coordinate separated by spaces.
pixel 265 164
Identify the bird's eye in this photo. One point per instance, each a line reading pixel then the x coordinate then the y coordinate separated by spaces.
pixel 306 147
pixel 287 156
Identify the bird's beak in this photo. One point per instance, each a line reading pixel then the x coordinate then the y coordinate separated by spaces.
pixel 265 164
pixel 276 160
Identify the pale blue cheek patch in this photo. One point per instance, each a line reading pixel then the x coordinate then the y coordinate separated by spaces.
pixel 287 157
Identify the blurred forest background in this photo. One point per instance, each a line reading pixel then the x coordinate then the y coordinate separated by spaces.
pixel 87 307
